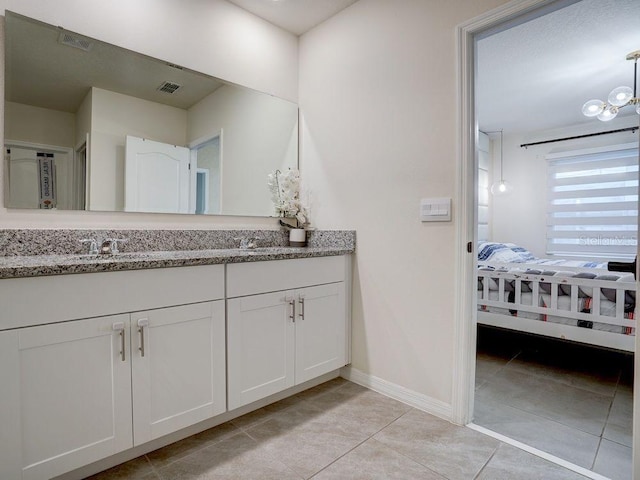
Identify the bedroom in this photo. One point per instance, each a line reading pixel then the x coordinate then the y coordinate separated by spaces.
pixel 585 45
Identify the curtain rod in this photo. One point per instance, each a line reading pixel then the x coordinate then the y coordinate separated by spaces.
pixel 629 129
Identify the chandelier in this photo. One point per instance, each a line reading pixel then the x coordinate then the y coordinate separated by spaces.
pixel 618 98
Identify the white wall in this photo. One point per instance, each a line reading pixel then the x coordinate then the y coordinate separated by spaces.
pixel 243 114
pixel 211 36
pixel 39 125
pixel 83 120
pixel 520 217
pixel 377 96
pixel 113 117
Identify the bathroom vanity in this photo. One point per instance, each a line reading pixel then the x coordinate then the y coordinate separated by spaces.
pixel 97 363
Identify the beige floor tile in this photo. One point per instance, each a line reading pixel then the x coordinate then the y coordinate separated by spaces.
pixel 237 457
pixel 374 461
pixel 262 414
pixel 308 439
pixel 368 410
pixel 620 422
pixel 488 364
pixel 546 435
pixel 325 387
pixel 449 450
pixel 597 378
pixel 169 454
pixel 613 461
pixel 573 407
pixel 136 469
pixel 511 463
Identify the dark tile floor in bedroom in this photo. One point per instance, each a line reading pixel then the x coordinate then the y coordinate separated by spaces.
pixel 572 401
pixel 338 430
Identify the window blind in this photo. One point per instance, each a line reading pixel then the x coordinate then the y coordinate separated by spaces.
pixel 592 203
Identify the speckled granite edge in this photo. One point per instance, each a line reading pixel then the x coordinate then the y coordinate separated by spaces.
pixel 26 242
pixel 30 253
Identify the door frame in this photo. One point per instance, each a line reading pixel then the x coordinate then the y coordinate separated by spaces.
pixel 465 315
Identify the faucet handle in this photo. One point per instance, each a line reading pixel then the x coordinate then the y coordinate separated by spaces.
pixel 93 245
pixel 113 244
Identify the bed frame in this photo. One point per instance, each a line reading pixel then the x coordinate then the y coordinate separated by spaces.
pixel 618 341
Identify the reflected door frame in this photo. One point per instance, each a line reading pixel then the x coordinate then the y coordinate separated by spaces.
pixel 42 148
pixel 193 147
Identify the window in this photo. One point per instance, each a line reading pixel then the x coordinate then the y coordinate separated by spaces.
pixel 592 200
pixel 483 187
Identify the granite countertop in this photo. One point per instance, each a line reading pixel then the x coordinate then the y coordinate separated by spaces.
pixel 34 253
pixel 40 265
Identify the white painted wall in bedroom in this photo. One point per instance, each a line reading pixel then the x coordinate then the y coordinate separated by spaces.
pixel 520 217
pixel 210 36
pixel 377 96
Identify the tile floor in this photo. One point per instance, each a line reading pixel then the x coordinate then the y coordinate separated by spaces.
pixel 572 401
pixel 338 430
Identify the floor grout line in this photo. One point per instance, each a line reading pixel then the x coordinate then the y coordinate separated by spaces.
pixel 537 452
pixel 487 462
pixel 362 442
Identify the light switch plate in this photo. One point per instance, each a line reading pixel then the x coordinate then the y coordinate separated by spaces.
pixel 435 209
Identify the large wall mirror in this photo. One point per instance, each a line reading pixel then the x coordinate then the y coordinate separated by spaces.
pixel 91 126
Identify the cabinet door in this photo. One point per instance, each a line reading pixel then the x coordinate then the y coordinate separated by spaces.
pixel 320 330
pixel 69 396
pixel 261 346
pixel 178 368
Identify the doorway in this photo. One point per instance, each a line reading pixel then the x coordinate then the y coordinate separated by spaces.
pixel 490 24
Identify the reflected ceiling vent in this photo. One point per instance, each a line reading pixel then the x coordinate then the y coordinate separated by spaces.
pixel 169 87
pixel 72 40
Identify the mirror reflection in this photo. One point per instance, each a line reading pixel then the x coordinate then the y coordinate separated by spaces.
pixel 92 126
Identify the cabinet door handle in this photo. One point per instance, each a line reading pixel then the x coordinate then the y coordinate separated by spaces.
pixel 119 326
pixel 143 322
pixel 301 314
pixel 292 302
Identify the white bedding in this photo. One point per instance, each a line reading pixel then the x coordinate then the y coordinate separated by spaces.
pixel 511 253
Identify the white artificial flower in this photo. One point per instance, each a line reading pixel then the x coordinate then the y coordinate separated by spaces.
pixel 285 195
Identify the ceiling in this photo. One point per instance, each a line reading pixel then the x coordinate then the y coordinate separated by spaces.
pixel 536 76
pixel 41 71
pixel 295 16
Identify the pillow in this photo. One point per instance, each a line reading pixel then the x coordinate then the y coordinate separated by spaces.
pixel 629 295
pixel 585 291
pixel 564 289
pixel 546 286
pixel 493 285
pixel 503 252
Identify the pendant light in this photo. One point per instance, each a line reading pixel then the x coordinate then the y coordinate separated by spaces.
pixel 618 98
pixel 501 187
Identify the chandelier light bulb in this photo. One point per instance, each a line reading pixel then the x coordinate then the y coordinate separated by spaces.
pixel 501 188
pixel 620 96
pixel 638 108
pixel 608 114
pixel 593 108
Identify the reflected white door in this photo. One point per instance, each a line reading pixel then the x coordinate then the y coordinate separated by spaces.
pixel 156 177
pixel 23 178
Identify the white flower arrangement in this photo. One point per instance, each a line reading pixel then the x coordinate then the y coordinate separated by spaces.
pixel 285 195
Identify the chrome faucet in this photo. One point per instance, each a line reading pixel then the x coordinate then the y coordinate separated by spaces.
pixel 110 245
pixel 93 245
pixel 248 243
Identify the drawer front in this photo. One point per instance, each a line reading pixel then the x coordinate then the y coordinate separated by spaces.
pixel 271 276
pixel 42 300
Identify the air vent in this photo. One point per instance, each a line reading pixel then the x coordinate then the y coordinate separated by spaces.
pixel 75 41
pixel 169 87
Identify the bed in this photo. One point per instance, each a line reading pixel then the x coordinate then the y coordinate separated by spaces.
pixel 567 299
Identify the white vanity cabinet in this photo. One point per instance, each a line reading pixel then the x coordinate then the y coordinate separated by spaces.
pixel 66 396
pixel 178 368
pixel 80 390
pixel 286 324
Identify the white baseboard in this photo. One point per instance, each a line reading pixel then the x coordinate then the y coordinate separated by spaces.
pixel 417 400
